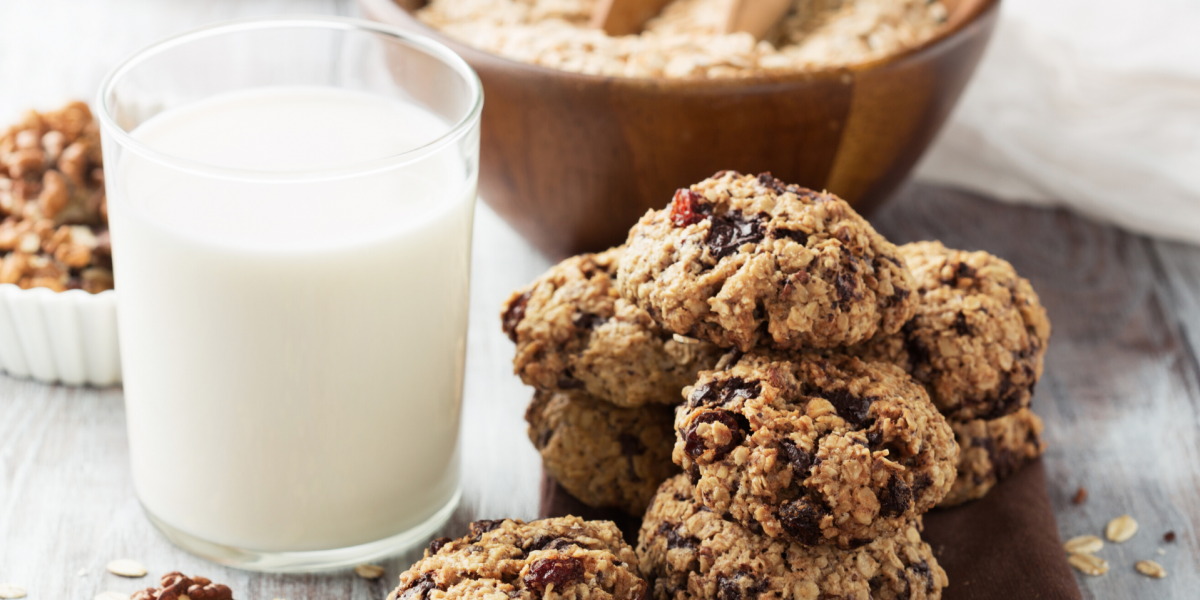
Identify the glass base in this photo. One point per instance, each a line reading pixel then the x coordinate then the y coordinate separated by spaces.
pixel 311 561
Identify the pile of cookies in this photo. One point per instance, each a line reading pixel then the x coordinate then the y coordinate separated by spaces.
pixel 780 391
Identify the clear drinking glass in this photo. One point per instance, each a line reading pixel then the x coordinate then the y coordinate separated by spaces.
pixel 290 203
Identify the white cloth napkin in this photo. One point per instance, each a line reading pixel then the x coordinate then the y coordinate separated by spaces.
pixel 1092 104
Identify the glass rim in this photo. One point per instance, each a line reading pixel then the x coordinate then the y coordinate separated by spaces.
pixel 331 23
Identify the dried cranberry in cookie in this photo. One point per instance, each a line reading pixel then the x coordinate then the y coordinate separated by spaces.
pixel 741 261
pixel 605 455
pixel 690 553
pixel 563 557
pixel 574 332
pixel 978 339
pixel 990 451
pixel 818 449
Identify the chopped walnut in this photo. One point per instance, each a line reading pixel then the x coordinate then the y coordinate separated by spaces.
pixel 176 585
pixel 53 211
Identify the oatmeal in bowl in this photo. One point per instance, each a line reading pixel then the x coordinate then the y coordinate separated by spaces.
pixel 687 38
pixel 583 132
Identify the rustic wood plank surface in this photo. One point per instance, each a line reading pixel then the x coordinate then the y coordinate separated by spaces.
pixel 1120 396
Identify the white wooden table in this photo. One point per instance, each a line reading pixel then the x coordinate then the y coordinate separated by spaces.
pixel 1121 397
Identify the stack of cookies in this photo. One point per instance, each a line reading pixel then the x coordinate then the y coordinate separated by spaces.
pixel 607 377
pixel 823 381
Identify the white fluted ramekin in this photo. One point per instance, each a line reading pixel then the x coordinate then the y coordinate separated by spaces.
pixel 59 337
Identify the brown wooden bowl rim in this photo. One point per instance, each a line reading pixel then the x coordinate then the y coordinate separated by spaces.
pixel 390 8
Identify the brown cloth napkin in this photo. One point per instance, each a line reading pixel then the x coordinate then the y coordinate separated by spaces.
pixel 1003 547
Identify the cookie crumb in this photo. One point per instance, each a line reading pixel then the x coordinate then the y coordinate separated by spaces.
pixel 8 590
pixel 1169 536
pixel 369 571
pixel 1080 495
pixel 126 568
pixel 1088 564
pixel 1121 528
pixel 1084 544
pixel 1150 568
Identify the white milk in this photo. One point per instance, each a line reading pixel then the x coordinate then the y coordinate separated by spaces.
pixel 293 352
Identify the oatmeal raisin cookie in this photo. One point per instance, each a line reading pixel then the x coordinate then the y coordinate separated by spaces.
pixel 990 451
pixel 573 331
pixel 819 449
pixel 979 336
pixel 604 455
pixel 687 552
pixel 564 557
pixel 742 261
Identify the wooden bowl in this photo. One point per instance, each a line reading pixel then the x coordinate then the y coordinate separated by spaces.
pixel 572 160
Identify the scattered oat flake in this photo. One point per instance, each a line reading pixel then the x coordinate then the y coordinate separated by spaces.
pixel 1088 564
pixel 1169 536
pixel 683 339
pixel 1150 568
pixel 1161 552
pixel 1080 495
pixel 1121 528
pixel 111 595
pixel 369 571
pixel 1084 544
pixel 126 568
pixel 8 590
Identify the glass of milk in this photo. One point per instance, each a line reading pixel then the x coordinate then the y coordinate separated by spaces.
pixel 290 204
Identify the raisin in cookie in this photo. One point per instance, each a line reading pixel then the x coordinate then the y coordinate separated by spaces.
pixel 602 454
pixel 979 336
pixel 687 552
pixel 990 451
pixel 564 557
pixel 573 330
pixel 818 449
pixel 743 260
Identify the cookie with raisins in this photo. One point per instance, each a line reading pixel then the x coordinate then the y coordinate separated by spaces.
pixel 564 557
pixel 743 261
pixel 816 449
pixel 604 455
pixel 689 553
pixel 574 332
pixel 978 339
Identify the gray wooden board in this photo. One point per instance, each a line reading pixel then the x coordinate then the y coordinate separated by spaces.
pixel 1119 396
